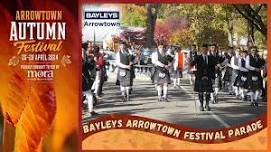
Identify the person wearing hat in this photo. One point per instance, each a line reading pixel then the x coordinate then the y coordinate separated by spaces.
pixel 243 75
pixel 161 77
pixel 124 62
pixel 253 64
pixel 204 75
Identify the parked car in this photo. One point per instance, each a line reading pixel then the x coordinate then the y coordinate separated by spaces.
pixel 145 58
pixel 110 59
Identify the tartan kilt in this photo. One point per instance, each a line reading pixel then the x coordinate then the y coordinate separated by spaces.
pixel 243 80
pixel 161 76
pixel 254 81
pixel 227 75
pixel 124 77
pixel 203 84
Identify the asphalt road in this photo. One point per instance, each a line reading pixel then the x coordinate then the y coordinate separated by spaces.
pixel 180 109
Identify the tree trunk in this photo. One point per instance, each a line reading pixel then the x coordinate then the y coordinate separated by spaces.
pixel 230 29
pixel 250 32
pixel 253 16
pixel 152 11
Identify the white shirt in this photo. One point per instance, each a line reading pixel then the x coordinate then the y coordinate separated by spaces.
pixel 236 67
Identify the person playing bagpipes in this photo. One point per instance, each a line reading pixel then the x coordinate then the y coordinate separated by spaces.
pixel 161 78
pixel 124 63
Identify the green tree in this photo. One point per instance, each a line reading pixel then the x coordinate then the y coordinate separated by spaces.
pixel 134 15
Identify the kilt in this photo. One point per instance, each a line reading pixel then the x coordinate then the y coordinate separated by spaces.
pixel 254 81
pixel 124 77
pixel 218 81
pixel 203 84
pixel 161 76
pixel 237 81
pixel 227 75
pixel 243 81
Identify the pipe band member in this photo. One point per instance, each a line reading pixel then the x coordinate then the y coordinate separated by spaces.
pixel 217 84
pixel 235 71
pixel 243 75
pixel 191 57
pixel 253 64
pixel 228 70
pixel 205 74
pixel 161 77
pixel 123 61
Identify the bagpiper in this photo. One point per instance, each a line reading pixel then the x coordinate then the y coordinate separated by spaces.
pixel 161 77
pixel 205 74
pixel 124 63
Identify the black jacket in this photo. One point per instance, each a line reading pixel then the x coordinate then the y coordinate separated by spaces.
pixel 204 69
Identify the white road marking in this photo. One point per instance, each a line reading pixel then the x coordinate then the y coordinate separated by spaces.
pixel 216 117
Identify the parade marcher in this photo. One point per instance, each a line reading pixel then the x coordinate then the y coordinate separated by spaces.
pixel 100 72
pixel 254 79
pixel 161 77
pixel 226 78
pixel 124 62
pixel 243 75
pixel 191 57
pixel 205 73
pixel 88 97
pixel 235 71
pixel 217 84
pixel 134 60
pixel 178 68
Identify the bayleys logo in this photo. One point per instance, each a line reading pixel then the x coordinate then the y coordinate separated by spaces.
pixel 102 15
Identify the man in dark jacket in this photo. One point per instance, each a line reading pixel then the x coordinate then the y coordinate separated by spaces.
pixel 204 75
